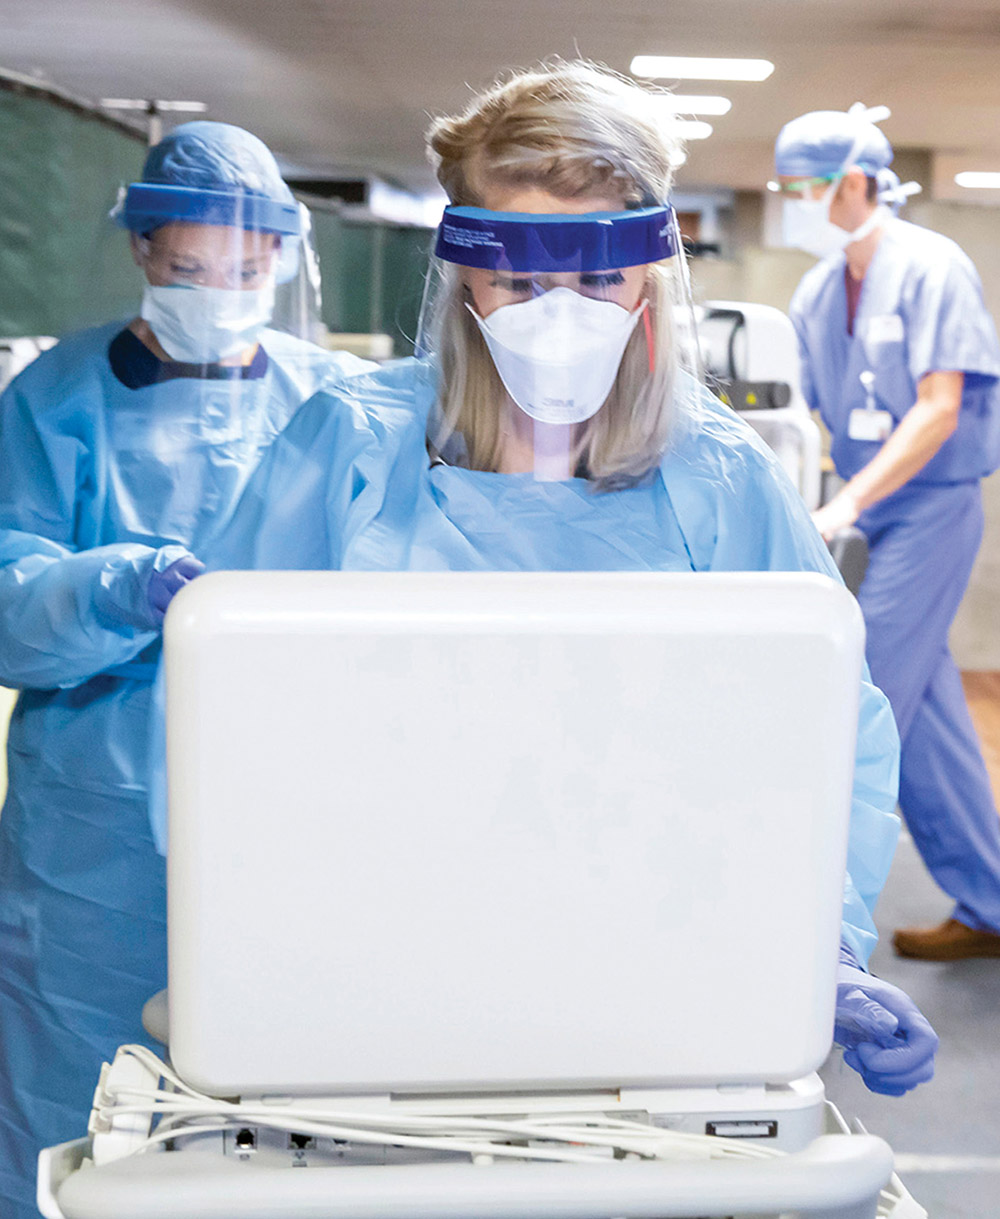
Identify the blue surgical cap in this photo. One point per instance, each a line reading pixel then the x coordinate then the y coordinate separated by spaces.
pixel 210 173
pixel 817 144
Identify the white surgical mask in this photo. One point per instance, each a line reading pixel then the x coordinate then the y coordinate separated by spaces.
pixel 558 354
pixel 199 325
pixel 806 225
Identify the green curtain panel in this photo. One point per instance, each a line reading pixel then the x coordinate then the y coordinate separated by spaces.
pixel 373 275
pixel 61 263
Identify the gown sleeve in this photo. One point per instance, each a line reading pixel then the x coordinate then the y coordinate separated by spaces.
pixel 66 613
pixel 739 511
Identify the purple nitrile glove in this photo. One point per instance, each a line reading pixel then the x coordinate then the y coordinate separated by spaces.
pixel 165 585
pixel 886 1038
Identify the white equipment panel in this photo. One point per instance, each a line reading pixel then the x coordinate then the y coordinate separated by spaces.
pixel 495 831
pixel 763 347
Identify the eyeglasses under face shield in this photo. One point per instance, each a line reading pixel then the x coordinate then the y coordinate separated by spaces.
pixel 220 266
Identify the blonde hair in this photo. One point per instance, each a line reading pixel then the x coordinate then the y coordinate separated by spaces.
pixel 571 129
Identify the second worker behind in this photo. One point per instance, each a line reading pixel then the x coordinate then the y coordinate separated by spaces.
pixel 901 359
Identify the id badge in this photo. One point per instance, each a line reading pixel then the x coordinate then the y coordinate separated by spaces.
pixel 865 424
pixel 885 328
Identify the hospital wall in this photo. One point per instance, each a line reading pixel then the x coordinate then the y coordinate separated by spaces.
pixel 756 272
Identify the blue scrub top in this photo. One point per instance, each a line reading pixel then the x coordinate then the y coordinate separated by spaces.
pixel 921 311
pixel 349 485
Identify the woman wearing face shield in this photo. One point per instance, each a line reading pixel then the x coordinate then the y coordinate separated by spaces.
pixel 555 422
pixel 122 452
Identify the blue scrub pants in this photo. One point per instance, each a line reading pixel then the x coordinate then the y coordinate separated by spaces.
pixel 923 541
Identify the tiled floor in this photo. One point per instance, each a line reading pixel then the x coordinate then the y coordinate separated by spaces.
pixel 946 1134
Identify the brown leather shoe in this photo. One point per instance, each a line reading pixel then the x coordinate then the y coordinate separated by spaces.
pixel 951 941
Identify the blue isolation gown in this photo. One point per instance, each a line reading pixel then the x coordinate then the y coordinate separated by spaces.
pixel 921 310
pixel 104 478
pixel 349 485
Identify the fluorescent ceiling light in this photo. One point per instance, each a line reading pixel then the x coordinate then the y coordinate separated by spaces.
pixel 190 107
pixel 691 103
pixel 151 106
pixel 692 129
pixel 980 181
pixel 680 67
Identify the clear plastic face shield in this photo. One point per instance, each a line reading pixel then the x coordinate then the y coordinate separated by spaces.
pixel 220 269
pixel 557 335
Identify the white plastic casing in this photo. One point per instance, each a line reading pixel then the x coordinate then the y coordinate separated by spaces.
pixel 439 833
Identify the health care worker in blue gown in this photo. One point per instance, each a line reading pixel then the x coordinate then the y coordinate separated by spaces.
pixel 122 453
pixel 557 424
pixel 900 356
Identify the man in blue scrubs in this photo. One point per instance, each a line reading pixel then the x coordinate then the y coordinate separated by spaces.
pixel 901 358
pixel 123 451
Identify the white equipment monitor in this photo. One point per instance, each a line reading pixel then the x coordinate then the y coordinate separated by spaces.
pixel 483 832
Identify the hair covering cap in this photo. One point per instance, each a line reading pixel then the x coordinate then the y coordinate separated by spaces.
pixel 210 173
pixel 824 143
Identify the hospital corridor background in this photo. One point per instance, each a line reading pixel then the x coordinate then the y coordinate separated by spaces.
pixel 233 212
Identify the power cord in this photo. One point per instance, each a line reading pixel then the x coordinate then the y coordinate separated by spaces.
pixel 179 1111
pixel 141 1102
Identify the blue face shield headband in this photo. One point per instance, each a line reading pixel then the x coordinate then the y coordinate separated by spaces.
pixel 147 205
pixel 526 242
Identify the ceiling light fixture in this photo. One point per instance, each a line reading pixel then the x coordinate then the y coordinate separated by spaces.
pixel 692 129
pixel 681 67
pixel 977 180
pixel 154 109
pixel 150 106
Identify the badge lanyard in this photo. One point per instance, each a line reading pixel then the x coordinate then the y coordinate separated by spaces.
pixel 869 422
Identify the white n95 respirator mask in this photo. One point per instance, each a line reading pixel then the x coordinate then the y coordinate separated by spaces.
pixel 559 353
pixel 200 325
